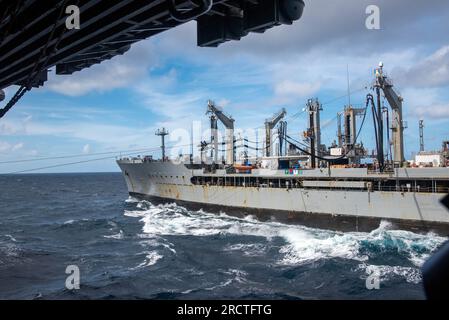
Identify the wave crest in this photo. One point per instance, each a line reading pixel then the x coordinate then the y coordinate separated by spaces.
pixel 301 245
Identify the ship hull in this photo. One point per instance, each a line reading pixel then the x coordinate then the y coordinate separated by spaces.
pixel 345 210
pixel 344 223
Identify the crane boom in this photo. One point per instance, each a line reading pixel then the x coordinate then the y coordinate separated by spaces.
pixel 395 102
pixel 269 126
pixel 228 122
pixel 272 122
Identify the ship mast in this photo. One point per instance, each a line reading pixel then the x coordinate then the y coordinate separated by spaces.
pixel 162 133
pixel 421 135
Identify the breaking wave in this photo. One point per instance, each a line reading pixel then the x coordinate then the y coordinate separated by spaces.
pixel 131 200
pixel 385 273
pixel 118 236
pixel 151 258
pixel 299 245
pixel 10 252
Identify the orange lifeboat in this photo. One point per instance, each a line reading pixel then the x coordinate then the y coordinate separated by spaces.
pixel 243 168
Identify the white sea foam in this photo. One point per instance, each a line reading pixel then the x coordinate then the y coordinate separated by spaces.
pixel 152 257
pixel 302 245
pixel 71 221
pixel 131 200
pixel 238 275
pixel 10 237
pixel 248 249
pixel 234 275
pixel 117 236
pixel 156 242
pixel 312 244
pixel 9 251
pixel 385 273
pixel 171 219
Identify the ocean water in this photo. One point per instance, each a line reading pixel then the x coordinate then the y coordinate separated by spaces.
pixel 130 249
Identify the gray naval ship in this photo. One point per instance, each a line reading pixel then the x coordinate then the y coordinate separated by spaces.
pixel 341 187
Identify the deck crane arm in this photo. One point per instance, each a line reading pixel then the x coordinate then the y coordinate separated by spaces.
pixel 276 118
pixel 395 102
pixel 269 125
pixel 228 122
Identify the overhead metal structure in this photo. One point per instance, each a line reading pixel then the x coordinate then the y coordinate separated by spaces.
pixel 34 36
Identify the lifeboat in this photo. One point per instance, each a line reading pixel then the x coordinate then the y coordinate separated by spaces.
pixel 243 168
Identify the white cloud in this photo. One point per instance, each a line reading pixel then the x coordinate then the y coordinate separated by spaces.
pixel 86 149
pixel 8 127
pixel 17 146
pixel 4 146
pixel 175 107
pixel 431 72
pixel 114 135
pixel 99 80
pixel 295 90
pixel 432 111
pixel 119 72
pixel 425 103
pixel 224 102
pixel 13 124
pixel 120 137
pixel 7 147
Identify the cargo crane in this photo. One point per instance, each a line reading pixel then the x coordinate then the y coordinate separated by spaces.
pixel 397 126
pixel 353 150
pixel 214 137
pixel 339 134
pixel 282 133
pixel 313 133
pixel 445 152
pixel 269 126
pixel 228 122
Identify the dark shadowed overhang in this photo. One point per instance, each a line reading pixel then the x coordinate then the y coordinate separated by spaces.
pixel 34 37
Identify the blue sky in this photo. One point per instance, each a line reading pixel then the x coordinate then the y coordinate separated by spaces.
pixel 166 81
